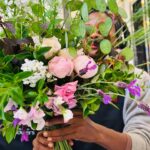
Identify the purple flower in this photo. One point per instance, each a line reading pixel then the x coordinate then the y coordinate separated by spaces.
pixel 16 122
pixel 24 137
pixel 131 87
pixel 87 68
pixel 144 107
pixel 106 98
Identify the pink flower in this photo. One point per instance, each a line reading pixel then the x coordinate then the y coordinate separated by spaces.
pixel 35 115
pixel 55 103
pixel 60 67
pixel 11 105
pixel 85 66
pixel 67 92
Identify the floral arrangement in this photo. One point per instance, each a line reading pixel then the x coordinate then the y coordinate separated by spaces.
pixel 47 70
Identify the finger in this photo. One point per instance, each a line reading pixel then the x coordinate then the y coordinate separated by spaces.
pixel 38 146
pixel 59 132
pixel 70 142
pixel 63 138
pixel 58 121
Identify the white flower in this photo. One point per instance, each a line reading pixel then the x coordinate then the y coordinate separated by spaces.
pixel 53 43
pixel 68 115
pixel 38 69
pixel 58 101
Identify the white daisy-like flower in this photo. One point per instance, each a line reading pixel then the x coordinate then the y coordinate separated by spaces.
pixel 38 69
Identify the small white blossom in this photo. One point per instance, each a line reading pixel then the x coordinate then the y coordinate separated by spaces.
pixel 38 69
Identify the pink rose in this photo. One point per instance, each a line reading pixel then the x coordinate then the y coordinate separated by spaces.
pixel 60 67
pixel 85 66
pixel 67 92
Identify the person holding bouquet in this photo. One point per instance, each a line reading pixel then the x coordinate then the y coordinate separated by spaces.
pixel 126 129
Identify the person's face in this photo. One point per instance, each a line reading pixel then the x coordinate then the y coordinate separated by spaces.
pixel 95 19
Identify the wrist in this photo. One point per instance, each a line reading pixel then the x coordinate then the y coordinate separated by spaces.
pixel 110 139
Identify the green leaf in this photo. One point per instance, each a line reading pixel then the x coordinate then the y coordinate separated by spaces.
pixel 105 46
pixel 105 27
pixel 101 5
pixel 31 94
pixel 91 100
pixel 91 4
pixel 17 95
pixel 7 59
pixel 123 13
pixel 78 28
pixel 10 133
pixel 41 84
pixel 72 51
pixel 35 27
pixel 112 4
pixel 74 5
pixel 118 65
pixel 22 75
pixel 84 12
pixel 37 9
pixel 3 100
pixel 23 56
pixel 40 53
pixel 127 53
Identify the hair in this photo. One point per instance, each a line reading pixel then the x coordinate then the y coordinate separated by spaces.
pixel 120 25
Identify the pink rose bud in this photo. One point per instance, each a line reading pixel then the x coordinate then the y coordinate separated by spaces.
pixel 60 67
pixel 85 66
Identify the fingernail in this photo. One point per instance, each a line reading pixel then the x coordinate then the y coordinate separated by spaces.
pixel 49 139
pixel 45 134
pixel 50 145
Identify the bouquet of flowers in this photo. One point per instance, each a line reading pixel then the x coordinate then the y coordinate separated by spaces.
pixel 47 69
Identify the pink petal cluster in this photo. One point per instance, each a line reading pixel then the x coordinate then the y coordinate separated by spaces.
pixel 67 92
pixel 11 105
pixel 55 103
pixel 35 115
pixel 60 66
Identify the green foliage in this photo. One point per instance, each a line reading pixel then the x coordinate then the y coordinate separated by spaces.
pixel 127 53
pixel 101 5
pixel 78 28
pixel 9 132
pixel 105 27
pixel 112 4
pixel 105 46
pixel 84 12
pixel 73 52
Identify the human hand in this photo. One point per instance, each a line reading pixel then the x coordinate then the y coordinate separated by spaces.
pixel 41 143
pixel 79 128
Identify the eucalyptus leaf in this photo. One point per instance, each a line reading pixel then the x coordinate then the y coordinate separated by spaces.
pixel 105 46
pixel 78 28
pixel 101 5
pixel 84 12
pixel 105 27
pixel 112 4
pixel 127 53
